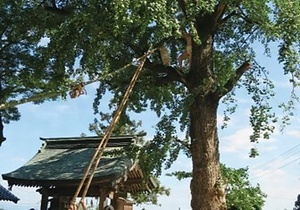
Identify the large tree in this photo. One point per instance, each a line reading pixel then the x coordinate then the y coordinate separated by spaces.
pixel 240 194
pixel 205 50
pixel 25 72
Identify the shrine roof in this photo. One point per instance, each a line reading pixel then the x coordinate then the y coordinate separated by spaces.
pixel 62 161
pixel 6 195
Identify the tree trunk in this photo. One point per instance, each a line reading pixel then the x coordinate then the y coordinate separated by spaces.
pixel 2 138
pixel 205 154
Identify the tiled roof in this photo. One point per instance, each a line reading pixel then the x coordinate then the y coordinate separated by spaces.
pixel 63 161
pixel 7 195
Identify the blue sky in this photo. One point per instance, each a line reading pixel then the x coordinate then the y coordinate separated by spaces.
pixel 276 169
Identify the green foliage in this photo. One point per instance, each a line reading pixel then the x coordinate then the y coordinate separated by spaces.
pixel 180 174
pixel 240 194
pixel 128 28
pixel 161 151
pixel 24 69
pixel 151 196
pixel 98 38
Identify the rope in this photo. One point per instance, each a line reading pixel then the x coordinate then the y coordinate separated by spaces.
pixel 94 162
pixel 42 96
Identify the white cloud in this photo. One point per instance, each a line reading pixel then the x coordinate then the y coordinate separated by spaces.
pixel 280 186
pixel 237 142
pixel 283 84
pixel 294 133
pixel 19 159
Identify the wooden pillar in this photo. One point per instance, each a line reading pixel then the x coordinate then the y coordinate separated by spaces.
pixel 102 202
pixel 120 203
pixel 114 201
pixel 44 202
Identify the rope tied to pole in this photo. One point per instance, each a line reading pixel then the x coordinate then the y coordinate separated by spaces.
pixel 46 95
pixel 94 162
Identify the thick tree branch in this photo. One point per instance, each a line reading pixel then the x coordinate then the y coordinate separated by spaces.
pixel 226 18
pixel 165 74
pixel 185 144
pixel 238 74
pixel 182 6
pixel 211 21
pixel 53 8
pixel 242 15
pixel 220 10
pixel 162 74
pixel 2 138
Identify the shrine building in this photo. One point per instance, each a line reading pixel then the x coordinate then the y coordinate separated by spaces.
pixel 58 167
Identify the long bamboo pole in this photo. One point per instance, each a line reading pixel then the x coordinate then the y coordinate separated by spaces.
pixel 94 162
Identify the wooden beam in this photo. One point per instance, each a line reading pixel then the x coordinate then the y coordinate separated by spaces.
pixel 69 191
pixel 44 202
pixel 102 203
pixel 132 181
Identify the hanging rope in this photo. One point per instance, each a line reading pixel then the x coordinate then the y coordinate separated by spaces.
pixel 47 95
pixel 94 162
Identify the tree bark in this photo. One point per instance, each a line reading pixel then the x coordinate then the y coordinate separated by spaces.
pixel 205 183
pixel 2 138
pixel 205 154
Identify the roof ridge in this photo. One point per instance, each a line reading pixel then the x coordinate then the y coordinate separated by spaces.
pixel 118 137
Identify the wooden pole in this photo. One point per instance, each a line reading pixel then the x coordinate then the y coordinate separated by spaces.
pixel 44 202
pixel 102 202
pixel 90 171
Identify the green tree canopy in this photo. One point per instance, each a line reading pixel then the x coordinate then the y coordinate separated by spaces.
pixel 240 194
pixel 25 71
pixel 216 38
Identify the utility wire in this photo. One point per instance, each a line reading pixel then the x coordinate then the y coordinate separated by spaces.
pixel 277 163
pixel 267 173
pixel 281 155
